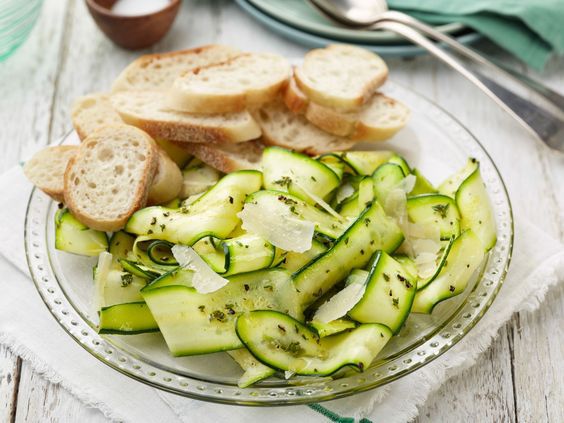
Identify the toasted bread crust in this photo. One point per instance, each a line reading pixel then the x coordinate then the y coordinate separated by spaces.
pixel 294 98
pixel 138 194
pixel 44 160
pixel 336 100
pixel 224 161
pixel 123 83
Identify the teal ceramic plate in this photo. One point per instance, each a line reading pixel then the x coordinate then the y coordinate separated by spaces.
pixel 300 15
pixel 312 40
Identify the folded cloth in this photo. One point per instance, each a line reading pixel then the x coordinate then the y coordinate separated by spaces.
pixel 529 29
pixel 27 328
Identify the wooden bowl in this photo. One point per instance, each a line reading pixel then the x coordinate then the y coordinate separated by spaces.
pixel 133 32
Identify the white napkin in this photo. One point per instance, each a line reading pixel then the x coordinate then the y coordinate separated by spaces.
pixel 29 330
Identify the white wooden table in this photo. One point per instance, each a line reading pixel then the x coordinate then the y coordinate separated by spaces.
pixel 520 378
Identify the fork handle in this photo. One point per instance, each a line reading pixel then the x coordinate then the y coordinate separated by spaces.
pixel 553 97
pixel 540 123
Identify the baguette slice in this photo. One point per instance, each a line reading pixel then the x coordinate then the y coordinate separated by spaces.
pixel 283 128
pixel 379 119
pixel 246 81
pixel 46 169
pixel 146 110
pixel 92 111
pixel 167 181
pixel 228 157
pixel 341 76
pixel 153 72
pixel 110 176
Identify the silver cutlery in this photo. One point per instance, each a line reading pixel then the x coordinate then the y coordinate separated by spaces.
pixel 537 108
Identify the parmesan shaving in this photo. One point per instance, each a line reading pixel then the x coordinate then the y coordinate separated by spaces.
pixel 340 303
pixel 344 192
pixel 278 226
pixel 320 201
pixel 205 280
pixel 408 183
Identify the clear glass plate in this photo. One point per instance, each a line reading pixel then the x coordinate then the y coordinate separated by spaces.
pixel 433 141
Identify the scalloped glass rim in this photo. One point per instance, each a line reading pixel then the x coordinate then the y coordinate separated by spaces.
pixel 462 316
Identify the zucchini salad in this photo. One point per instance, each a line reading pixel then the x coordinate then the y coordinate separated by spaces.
pixel 303 268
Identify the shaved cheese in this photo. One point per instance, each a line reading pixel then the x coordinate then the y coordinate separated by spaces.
pixel 288 374
pixel 319 200
pixel 340 303
pixel 102 270
pixel 407 184
pixel 278 226
pixel 344 192
pixel 205 280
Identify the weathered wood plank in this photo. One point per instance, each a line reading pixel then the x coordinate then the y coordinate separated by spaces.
pixel 41 401
pixel 537 352
pixel 482 393
pixel 10 366
pixel 26 99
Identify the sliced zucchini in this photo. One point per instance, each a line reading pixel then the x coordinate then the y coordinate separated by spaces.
pixel 74 237
pixel 273 205
pixel 386 178
pixel 366 162
pixel 437 210
pixel 359 276
pixel 282 342
pixel 198 178
pixel 178 154
pixel 358 203
pixel 333 162
pixel 464 258
pixel 160 253
pixel 372 231
pixel 408 264
pixel 137 269
pixel 213 214
pixel 388 296
pixel 121 245
pixel 127 319
pixel 247 253
pixel 450 185
pixel 331 328
pixel 298 174
pixel 173 204
pixel 175 277
pixel 441 261
pixel 209 250
pixel 254 369
pixel 401 162
pixel 476 210
pixel 295 261
pixel 113 285
pixel 422 184
pixel 194 323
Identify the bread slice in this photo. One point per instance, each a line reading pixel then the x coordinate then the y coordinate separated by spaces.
pixel 146 110
pixel 246 81
pixel 158 71
pixel 167 181
pixel 286 129
pixel 110 176
pixel 341 76
pixel 91 112
pixel 228 157
pixel 379 119
pixel 46 169
pixel 294 97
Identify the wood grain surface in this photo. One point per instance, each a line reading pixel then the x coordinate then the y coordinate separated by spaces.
pixel 519 379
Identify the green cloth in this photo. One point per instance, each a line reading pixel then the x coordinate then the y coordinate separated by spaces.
pixel 532 30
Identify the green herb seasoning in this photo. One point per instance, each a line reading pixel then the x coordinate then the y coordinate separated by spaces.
pixel 441 209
